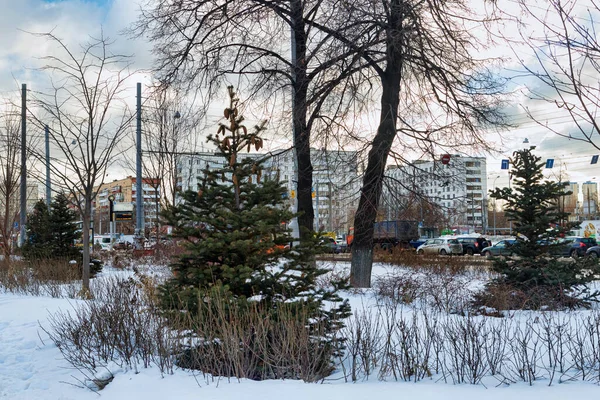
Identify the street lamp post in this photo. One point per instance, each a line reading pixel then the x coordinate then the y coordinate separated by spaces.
pixel 495 205
pixel 111 219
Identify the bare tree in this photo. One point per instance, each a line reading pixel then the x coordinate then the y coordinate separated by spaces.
pixel 433 90
pixel 566 66
pixel 10 174
pixel 169 129
pixel 201 43
pixel 87 116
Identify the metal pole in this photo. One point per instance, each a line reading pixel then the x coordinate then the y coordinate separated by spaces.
pixel 330 208
pixel 495 205
pixel 23 191
pixel 139 204
pixel 48 187
pixel 588 201
pixel 473 209
pixel 317 217
pixel 111 226
pixel 509 222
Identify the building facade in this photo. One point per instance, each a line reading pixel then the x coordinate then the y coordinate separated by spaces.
pixel 589 206
pixel 124 191
pixel 336 186
pixel 335 181
pixel 454 194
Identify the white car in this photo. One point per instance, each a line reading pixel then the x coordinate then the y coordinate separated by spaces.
pixel 442 246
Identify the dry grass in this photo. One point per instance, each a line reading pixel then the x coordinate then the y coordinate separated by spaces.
pixel 453 264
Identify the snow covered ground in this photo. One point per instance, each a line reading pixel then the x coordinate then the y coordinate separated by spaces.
pixel 31 367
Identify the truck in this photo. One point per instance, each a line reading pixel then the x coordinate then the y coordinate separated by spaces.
pixel 589 229
pixel 388 234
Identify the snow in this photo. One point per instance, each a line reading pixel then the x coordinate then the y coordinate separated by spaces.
pixel 31 367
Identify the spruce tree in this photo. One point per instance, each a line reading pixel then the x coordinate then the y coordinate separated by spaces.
pixel 39 233
pixel 534 277
pixel 63 228
pixel 236 239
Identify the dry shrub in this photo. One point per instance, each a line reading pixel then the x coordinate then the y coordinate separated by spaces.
pixel 499 296
pixel 245 339
pixel 453 264
pixel 120 326
pixel 42 277
pixel 549 346
pixel 444 291
pixel 54 270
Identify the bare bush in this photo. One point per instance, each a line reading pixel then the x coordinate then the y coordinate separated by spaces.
pixel 242 339
pixel 43 277
pixel 121 326
pixel 442 290
pixel 418 344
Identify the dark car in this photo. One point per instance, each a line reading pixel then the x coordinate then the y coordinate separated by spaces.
pixel 417 242
pixel 572 246
pixel 330 245
pixel 502 248
pixel 473 245
pixel 593 252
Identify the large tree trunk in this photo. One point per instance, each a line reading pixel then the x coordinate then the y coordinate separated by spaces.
pixel 364 220
pixel 301 132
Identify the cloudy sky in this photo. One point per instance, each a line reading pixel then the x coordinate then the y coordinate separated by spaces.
pixel 72 21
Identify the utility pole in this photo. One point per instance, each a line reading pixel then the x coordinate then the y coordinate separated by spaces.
pixel 23 188
pixel 48 187
pixel 139 194
pixel 588 201
pixel 317 216
pixel 330 207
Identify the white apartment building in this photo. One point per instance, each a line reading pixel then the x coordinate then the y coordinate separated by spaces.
pixel 458 188
pixel 336 186
pixel 190 167
pixel 335 178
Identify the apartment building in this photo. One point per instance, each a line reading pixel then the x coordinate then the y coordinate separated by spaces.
pixel 336 186
pixel 457 190
pixel 589 206
pixel 335 180
pixel 124 191
pixel 190 167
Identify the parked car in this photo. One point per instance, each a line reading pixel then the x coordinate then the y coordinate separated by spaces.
pixel 331 245
pixel 417 242
pixel 502 248
pixel 440 246
pixel 473 245
pixel 572 246
pixel 593 252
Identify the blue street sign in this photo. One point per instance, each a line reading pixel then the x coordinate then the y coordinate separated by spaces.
pixel 594 159
pixel 504 164
pixel 550 163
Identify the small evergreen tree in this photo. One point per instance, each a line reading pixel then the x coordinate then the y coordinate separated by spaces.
pixel 63 228
pixel 235 233
pixel 39 233
pixel 533 275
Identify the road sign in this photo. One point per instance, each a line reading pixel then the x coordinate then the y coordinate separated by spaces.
pixel 504 164
pixel 550 163
pixel 123 216
pixel 445 159
pixel 594 159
